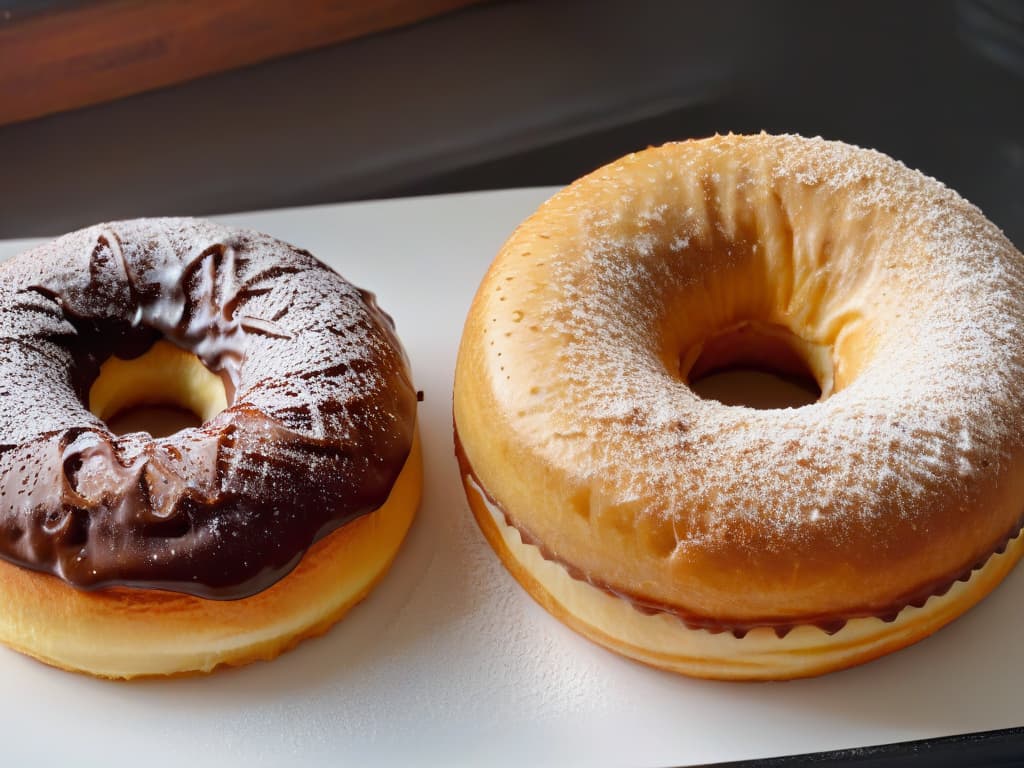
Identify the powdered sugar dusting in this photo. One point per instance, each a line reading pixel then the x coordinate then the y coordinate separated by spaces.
pixel 846 247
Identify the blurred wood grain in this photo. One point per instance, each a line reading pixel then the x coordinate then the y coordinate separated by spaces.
pixel 93 52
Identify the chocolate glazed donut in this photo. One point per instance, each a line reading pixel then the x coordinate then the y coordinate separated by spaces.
pixel 320 418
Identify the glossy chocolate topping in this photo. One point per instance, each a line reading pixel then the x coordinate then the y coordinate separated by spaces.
pixel 320 418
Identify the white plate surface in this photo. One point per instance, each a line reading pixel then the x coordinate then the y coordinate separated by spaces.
pixel 449 662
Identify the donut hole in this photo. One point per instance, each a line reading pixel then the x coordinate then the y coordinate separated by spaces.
pixel 157 420
pixel 163 391
pixel 758 365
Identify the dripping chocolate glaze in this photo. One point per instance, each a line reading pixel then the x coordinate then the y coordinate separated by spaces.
pixel 319 424
pixel 831 624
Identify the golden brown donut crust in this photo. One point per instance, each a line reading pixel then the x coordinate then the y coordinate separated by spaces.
pixel 573 413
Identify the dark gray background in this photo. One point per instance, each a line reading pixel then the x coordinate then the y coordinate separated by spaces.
pixel 532 93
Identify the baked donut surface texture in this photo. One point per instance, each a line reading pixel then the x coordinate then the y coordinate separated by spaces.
pixel 314 457
pixel 575 421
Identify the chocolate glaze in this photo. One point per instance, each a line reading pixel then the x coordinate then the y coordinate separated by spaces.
pixel 319 424
pixel 829 623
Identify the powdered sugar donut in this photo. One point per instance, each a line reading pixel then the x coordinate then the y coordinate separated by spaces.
pixel 725 541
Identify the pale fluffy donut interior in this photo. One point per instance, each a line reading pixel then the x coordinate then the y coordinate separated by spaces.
pixel 163 375
pixel 662 640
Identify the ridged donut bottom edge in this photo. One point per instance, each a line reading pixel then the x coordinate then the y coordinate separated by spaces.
pixel 662 640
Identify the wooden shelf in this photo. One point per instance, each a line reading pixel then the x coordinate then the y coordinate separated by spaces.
pixel 86 53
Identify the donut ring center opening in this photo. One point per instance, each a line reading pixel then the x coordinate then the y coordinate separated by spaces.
pixel 758 365
pixel 161 392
